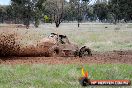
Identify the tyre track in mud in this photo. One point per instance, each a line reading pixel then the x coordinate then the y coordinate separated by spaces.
pixel 114 57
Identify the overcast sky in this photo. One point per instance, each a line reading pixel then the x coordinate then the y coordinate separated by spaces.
pixel 4 2
pixel 7 2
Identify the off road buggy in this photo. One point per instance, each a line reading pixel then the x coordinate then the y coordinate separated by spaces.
pixel 59 45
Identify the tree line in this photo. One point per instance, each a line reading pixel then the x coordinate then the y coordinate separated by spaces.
pixel 57 11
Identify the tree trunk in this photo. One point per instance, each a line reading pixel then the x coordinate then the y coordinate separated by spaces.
pixel 78 14
pixel 115 22
pixel 78 24
pixel 2 20
pixel 57 23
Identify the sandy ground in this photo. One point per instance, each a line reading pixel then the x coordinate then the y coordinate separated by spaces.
pixel 116 57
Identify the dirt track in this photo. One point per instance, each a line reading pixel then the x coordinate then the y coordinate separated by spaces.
pixel 98 58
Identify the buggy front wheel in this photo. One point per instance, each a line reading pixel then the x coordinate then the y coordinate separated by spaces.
pixel 84 51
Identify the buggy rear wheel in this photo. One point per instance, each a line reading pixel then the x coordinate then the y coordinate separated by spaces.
pixel 54 51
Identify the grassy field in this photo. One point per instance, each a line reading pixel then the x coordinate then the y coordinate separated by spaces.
pixel 99 37
pixel 59 76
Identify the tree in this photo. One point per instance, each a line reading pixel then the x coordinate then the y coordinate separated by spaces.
pixel 34 11
pixel 101 11
pixel 90 13
pixel 115 10
pixel 125 9
pixel 121 9
pixel 80 8
pixel 28 10
pixel 85 9
pixel 2 13
pixel 38 11
pixel 55 8
pixel 69 11
pixel 22 10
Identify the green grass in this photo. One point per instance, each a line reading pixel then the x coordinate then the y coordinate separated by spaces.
pixel 59 76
